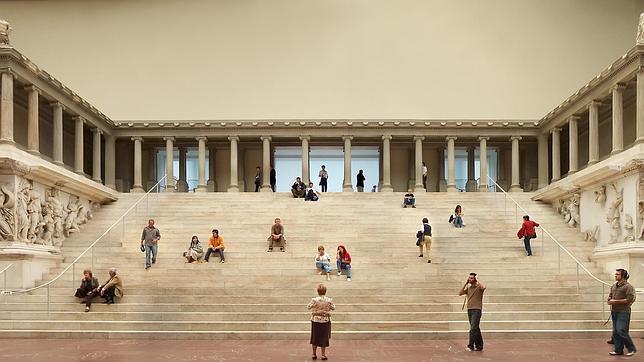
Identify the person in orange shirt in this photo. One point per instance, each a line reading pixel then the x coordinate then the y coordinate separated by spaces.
pixel 215 245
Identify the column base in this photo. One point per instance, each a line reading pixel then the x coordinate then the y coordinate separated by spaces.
pixel 201 188
pixel 347 188
pixel 442 185
pixel 211 186
pixel 386 188
pixel 137 189
pixel 616 151
pixel 470 186
pixel 233 188
pixel 516 188
pixel 182 186
pixel 59 163
pixel 570 172
pixel 419 188
pixel 98 180
pixel 483 188
pixel 111 186
pixel 452 188
pixel 169 188
pixel 34 152
pixel 7 141
pixel 266 188
pixel 555 180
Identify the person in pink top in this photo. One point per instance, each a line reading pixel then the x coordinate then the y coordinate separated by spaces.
pixel 527 232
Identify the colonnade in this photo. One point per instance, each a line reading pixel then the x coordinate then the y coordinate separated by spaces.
pixel 7 79
pixel 347 185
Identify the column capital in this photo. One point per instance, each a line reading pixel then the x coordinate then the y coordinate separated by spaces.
pixel 9 71
pixel 594 103
pixel 32 88
pixel 483 138
pixel 233 138
pixel 269 138
pixel 97 130
pixel 78 118
pixel 202 138
pixel 169 138
pixel 307 138
pixel 451 138
pixel 574 117
pixel 555 130
pixel 386 137
pixel 518 138
pixel 57 104
pixel 619 87
pixel 344 138
pixel 137 138
pixel 419 138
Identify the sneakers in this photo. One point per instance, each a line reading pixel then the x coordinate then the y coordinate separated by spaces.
pixel 613 353
pixel 154 261
pixel 420 256
pixel 339 273
pixel 147 267
pixel 348 279
pixel 270 250
pixel 282 250
pixel 223 261
pixel 429 261
pixel 413 206
pixel 631 353
pixel 469 348
pixel 86 309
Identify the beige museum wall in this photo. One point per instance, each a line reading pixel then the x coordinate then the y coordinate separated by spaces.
pixel 188 59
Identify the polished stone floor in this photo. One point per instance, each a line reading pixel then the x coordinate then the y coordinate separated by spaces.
pixel 64 350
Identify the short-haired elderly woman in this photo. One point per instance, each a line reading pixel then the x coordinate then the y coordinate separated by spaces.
pixel 320 307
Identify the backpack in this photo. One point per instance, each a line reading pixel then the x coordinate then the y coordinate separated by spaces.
pixel 451 218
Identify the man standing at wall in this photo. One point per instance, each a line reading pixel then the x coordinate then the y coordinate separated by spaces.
pixel 473 290
pixel 360 183
pixel 150 240
pixel 620 299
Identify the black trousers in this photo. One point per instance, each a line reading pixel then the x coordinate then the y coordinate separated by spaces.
pixel 476 339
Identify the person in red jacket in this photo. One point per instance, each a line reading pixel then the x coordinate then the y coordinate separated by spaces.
pixel 527 232
pixel 343 260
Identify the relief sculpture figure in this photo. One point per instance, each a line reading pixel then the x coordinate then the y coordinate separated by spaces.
pixel 8 201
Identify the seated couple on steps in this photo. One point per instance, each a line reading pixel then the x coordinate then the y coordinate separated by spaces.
pixel 90 288
pixel 342 261
pixel 215 245
pixel 299 190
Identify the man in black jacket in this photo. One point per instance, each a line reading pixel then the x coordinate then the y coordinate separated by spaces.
pixel 298 188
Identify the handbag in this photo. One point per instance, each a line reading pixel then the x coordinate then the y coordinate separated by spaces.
pixel 451 218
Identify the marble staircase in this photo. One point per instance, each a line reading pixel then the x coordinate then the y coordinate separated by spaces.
pixel 259 295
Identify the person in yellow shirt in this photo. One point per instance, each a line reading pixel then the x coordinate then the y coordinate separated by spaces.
pixel 215 245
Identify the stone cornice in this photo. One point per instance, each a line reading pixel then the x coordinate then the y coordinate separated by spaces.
pixel 620 71
pixel 27 71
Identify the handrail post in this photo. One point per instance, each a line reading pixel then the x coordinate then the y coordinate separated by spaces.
pixel 559 259
pixel 542 242
pixel 92 251
pixel 516 215
pixel 48 300
pixel 123 234
pixel 4 287
pixel 73 275
pixel 603 299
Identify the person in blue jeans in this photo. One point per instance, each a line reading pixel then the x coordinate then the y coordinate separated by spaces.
pixel 150 240
pixel 343 261
pixel 458 217
pixel 620 299
pixel 323 262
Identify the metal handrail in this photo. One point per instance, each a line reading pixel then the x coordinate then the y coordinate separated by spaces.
pixel 4 273
pixel 73 263
pixel 561 247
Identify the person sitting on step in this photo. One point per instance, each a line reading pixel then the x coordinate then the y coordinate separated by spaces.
pixel 424 238
pixel 112 288
pixel 195 251
pixel 343 261
pixel 88 283
pixel 457 217
pixel 311 193
pixel 216 245
pixel 298 188
pixel 409 200
pixel 277 236
pixel 323 262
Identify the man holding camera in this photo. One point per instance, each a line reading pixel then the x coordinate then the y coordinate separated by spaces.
pixel 620 299
pixel 473 290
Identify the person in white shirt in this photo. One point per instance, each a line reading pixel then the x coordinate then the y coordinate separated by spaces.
pixel 323 262
pixel 424 176
pixel 311 193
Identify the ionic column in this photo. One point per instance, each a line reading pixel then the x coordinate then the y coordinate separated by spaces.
pixel 33 140
pixel 346 184
pixel 110 161
pixel 233 164
pixel 418 166
pixel 201 186
pixel 58 133
pixel 96 155
pixel 182 184
pixel 483 163
pixel 542 150
pixel 593 132
pixel 556 155
pixel 169 164
pixel 470 185
pixel 618 118
pixel 212 156
pixel 442 183
pixel 305 159
pixel 515 186
pixel 138 183
pixel 573 145
pixel 266 163
pixel 451 182
pixel 6 107
pixel 78 145
pixel 386 164
pixel 640 106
